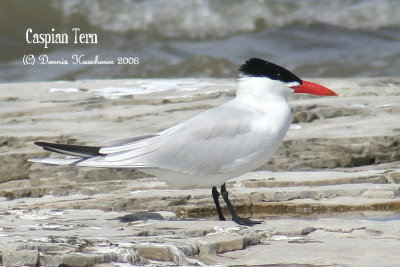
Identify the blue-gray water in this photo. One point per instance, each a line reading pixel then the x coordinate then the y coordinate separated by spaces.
pixel 386 219
pixel 189 38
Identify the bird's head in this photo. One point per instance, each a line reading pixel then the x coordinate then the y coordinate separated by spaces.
pixel 259 71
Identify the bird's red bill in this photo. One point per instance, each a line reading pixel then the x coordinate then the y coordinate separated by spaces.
pixel 312 88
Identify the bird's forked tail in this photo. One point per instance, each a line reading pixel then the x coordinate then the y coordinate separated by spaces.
pixel 78 152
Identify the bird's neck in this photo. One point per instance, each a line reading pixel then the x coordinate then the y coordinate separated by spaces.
pixel 269 99
pixel 262 91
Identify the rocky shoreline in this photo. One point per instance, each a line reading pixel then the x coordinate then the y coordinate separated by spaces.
pixel 330 197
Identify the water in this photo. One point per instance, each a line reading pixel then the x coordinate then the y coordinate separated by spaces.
pixel 386 219
pixel 189 38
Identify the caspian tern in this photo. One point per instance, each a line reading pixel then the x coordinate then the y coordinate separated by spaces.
pixel 214 146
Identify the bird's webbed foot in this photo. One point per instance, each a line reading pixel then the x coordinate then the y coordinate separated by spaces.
pixel 245 221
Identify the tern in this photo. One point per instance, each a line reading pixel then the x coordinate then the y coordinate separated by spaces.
pixel 213 146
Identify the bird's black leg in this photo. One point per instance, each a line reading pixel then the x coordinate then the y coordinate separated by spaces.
pixel 215 195
pixel 232 210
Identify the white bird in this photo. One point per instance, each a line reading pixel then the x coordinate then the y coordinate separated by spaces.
pixel 214 146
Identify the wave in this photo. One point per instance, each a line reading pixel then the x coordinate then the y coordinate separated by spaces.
pixel 217 19
pixel 208 38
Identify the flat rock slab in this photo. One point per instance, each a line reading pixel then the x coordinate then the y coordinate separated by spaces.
pixel 87 230
pixel 328 132
pixel 265 193
pixel 341 159
pixel 95 237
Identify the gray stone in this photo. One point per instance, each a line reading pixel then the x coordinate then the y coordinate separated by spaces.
pixel 20 258
pixel 347 137
pixel 14 164
pixel 77 260
pixel 140 216
pixel 106 240
pixel 220 243
pixel 50 260
pixel 155 252
pixel 337 163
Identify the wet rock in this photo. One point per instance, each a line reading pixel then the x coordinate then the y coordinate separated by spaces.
pixel 318 153
pixel 220 243
pixel 76 259
pixel 20 258
pixel 393 176
pixel 67 216
pixel 147 216
pixel 14 165
pixel 76 239
pixel 309 113
pixel 155 252
pixel 308 230
pixel 331 132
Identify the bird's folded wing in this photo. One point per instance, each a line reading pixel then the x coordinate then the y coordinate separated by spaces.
pixel 207 143
pixel 121 142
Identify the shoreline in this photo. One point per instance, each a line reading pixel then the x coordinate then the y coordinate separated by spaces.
pixel 341 158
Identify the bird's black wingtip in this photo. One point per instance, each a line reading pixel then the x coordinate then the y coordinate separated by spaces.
pixel 42 144
pixel 74 150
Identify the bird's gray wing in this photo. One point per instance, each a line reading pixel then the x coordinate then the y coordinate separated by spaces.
pixel 215 141
pixel 125 141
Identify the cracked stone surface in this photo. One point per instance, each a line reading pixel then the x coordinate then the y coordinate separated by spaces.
pixel 94 237
pixel 328 132
pixel 329 197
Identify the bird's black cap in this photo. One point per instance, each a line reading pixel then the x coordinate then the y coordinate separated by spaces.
pixel 256 67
